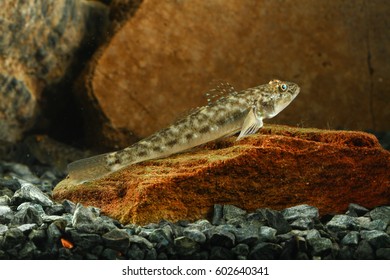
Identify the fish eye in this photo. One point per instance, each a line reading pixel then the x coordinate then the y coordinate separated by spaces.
pixel 283 87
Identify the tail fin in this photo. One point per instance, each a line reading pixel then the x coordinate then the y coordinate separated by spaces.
pixel 88 169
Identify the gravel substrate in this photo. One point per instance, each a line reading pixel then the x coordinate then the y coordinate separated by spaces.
pixel 33 226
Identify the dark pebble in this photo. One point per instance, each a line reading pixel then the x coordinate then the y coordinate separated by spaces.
pixel 116 239
pixel 69 206
pixel 383 254
pixel 355 210
pixel 11 184
pixel 265 251
pixel 364 251
pixel 56 209
pixel 110 254
pixel 217 215
pixel 346 253
pixel 135 253
pixel 13 239
pixel 151 254
pixel 28 250
pixel 241 250
pixel 221 253
pixel 222 236
pixel 277 221
pixel 84 240
pixel 83 219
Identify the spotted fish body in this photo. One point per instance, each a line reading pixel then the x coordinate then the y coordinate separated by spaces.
pixel 242 112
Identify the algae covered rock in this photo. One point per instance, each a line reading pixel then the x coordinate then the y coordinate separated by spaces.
pixel 279 167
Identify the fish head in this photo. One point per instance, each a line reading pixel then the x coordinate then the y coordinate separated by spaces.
pixel 275 96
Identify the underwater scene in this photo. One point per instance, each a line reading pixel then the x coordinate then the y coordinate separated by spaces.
pixel 194 130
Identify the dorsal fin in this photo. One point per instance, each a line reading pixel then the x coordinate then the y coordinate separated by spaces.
pixel 221 91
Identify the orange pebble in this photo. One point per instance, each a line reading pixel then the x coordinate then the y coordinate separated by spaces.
pixel 66 244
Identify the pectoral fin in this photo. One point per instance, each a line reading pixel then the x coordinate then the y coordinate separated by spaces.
pixel 251 125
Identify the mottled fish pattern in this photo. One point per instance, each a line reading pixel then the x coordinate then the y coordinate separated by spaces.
pixel 235 112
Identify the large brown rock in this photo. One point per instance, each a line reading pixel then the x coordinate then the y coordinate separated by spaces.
pixel 279 168
pixel 39 41
pixel 164 58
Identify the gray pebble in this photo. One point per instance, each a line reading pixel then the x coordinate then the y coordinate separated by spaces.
pixel 195 235
pixel 230 212
pixel 376 238
pixel 185 246
pixel 217 215
pixel 320 246
pixel 200 225
pixel 25 205
pixel 3 228
pixel 6 214
pixel 381 213
pixel 247 235
pixel 27 215
pixel 5 200
pixel 342 222
pixel 26 228
pixel 83 219
pixel 303 223
pixel 142 242
pixel 300 211
pixel 159 237
pixel 351 238
pixel 267 234
pixel 29 192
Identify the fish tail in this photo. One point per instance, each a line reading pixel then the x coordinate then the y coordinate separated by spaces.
pixel 88 169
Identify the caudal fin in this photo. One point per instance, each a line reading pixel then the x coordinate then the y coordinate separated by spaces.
pixel 88 169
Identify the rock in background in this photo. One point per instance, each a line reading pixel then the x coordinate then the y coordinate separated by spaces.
pixel 162 60
pixel 39 41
